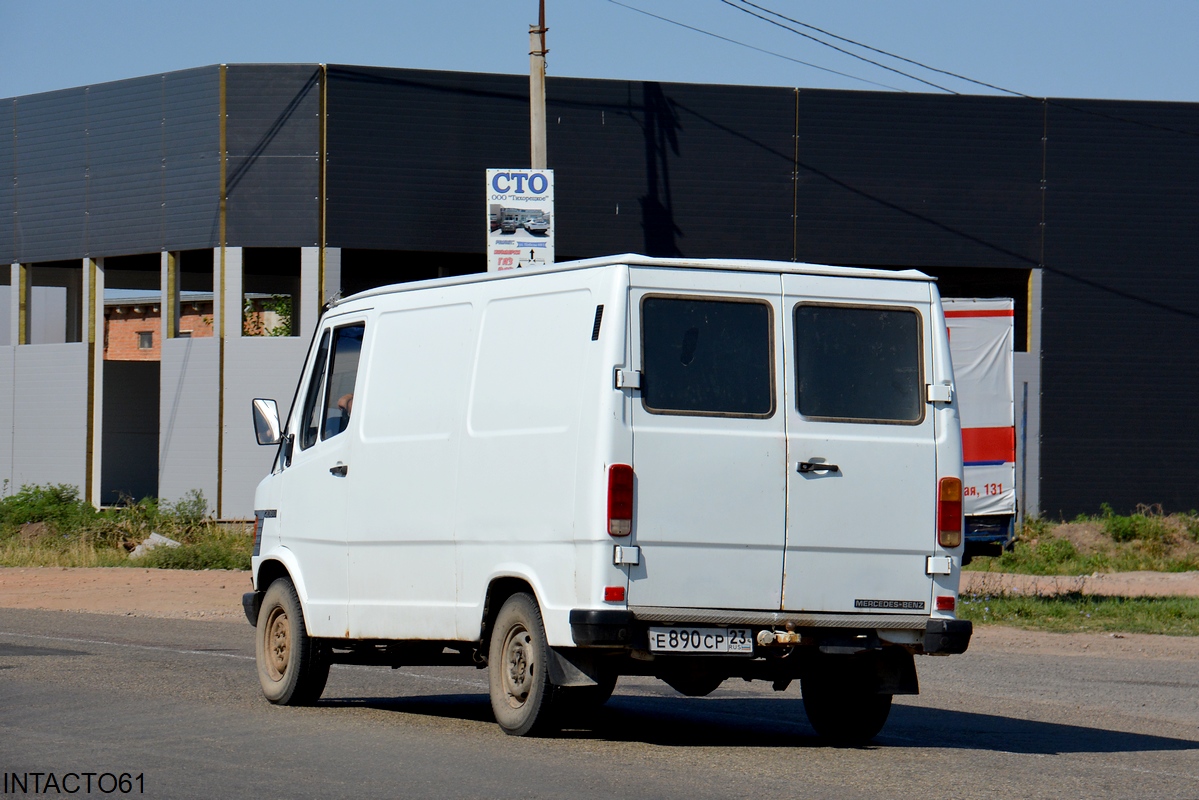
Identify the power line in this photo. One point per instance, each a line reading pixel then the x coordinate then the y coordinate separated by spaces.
pixel 849 53
pixel 878 50
pixel 1013 92
pixel 752 47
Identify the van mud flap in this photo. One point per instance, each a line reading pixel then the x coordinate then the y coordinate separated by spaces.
pixel 251 602
pixel 570 666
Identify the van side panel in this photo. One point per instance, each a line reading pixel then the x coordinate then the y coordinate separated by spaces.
pixel 404 469
pixel 526 441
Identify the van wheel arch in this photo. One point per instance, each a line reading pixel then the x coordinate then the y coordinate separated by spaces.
pixel 269 572
pixel 498 592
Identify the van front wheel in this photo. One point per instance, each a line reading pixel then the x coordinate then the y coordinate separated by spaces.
pixel 292 667
pixel 522 695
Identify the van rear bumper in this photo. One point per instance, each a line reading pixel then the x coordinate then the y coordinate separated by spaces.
pixel 626 628
pixel 947 636
pixel 601 627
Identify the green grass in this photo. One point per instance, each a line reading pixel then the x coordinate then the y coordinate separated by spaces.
pixel 1108 542
pixel 1075 613
pixel 1060 557
pixel 50 526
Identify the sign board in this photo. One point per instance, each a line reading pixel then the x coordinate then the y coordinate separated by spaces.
pixel 520 219
pixel 981 340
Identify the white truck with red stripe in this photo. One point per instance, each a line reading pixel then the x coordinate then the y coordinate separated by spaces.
pixel 693 470
pixel 981 341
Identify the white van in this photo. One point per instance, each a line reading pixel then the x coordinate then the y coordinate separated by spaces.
pixel 688 469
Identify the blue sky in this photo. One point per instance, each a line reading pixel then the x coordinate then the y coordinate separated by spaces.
pixel 1143 50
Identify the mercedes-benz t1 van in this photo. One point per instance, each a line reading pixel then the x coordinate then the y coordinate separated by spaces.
pixel 690 469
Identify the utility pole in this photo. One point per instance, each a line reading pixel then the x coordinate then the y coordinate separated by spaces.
pixel 537 51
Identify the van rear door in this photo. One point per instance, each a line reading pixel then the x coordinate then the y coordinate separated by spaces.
pixel 709 445
pixel 861 468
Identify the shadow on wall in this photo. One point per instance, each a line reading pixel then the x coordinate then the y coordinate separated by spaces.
pixel 661 131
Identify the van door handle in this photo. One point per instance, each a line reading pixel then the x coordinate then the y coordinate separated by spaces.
pixel 817 466
pixel 340 470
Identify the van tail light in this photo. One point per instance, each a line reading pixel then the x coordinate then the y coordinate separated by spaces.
pixel 620 500
pixel 949 512
pixel 946 603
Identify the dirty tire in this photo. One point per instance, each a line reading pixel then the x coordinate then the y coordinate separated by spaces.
pixel 842 713
pixel 522 696
pixel 292 667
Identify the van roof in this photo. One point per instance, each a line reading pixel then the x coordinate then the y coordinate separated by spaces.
pixel 750 265
pixel 635 260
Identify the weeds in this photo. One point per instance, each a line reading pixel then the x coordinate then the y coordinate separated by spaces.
pixel 1148 539
pixel 1075 612
pixel 1146 524
pixel 51 526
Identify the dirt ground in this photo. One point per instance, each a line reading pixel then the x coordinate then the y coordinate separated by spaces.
pixel 216 595
pixel 1114 584
pixel 207 594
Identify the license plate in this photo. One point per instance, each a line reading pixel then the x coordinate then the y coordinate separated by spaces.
pixel 701 640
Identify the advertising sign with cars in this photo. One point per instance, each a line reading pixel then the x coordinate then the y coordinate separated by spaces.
pixel 520 219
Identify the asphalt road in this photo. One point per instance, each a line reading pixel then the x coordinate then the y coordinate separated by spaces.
pixel 177 702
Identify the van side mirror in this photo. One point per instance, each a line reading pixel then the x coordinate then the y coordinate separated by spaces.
pixel 266 421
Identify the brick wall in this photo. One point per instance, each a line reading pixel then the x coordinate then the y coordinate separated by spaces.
pixel 124 325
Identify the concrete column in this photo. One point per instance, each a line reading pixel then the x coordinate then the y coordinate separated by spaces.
pixel 14 304
pixel 93 276
pixel 21 282
pixel 332 287
pixel 309 302
pixel 1026 369
pixel 170 295
pixel 231 293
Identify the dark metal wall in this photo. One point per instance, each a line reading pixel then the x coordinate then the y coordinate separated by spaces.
pixel 116 168
pixel 273 141
pixel 7 180
pixel 671 169
pixel 644 167
pixel 407 154
pixel 1121 321
pixel 134 166
pixel 888 179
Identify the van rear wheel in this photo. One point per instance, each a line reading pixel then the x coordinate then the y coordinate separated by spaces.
pixel 693 682
pixel 582 699
pixel 842 711
pixel 292 666
pixel 522 695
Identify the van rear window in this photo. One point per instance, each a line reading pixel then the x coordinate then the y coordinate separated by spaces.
pixel 709 357
pixel 858 363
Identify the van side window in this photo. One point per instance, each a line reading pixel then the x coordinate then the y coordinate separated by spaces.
pixel 858 363
pixel 310 420
pixel 343 369
pixel 709 357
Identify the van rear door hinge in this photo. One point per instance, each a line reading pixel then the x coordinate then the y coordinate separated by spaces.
pixel 628 378
pixel 940 393
pixel 938 565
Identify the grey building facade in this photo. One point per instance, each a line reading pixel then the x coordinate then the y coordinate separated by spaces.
pixel 303 181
